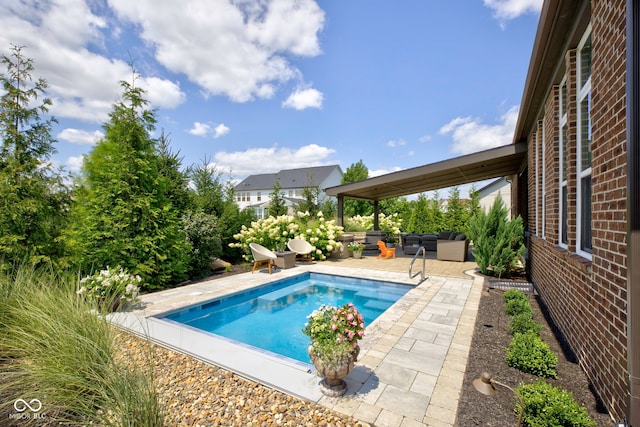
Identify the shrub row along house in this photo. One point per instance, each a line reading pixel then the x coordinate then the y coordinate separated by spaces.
pixel 575 169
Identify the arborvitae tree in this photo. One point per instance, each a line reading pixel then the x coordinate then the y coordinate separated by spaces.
pixel 455 215
pixel 169 166
pixel 420 215
pixel 123 213
pixel 208 191
pixel 231 222
pixel 356 172
pixel 277 204
pixel 33 198
pixel 309 201
pixel 497 242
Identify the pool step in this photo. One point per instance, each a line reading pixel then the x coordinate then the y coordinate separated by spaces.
pixel 383 296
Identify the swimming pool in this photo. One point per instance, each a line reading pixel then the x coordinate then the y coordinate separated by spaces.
pixel 270 317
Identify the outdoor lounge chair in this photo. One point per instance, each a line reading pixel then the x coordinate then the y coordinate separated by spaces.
pixel 453 250
pixel 302 248
pixel 385 251
pixel 262 256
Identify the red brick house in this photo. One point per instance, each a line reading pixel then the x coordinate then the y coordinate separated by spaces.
pixel 577 117
pixel 575 169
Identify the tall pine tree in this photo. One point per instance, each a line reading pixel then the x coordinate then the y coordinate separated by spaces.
pixel 123 213
pixel 33 198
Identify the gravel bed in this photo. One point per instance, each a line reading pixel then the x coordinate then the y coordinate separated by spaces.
pixel 197 394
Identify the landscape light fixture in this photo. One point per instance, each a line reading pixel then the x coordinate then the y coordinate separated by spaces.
pixel 486 385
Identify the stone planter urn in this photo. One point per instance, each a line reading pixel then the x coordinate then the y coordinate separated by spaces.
pixel 357 254
pixel 333 384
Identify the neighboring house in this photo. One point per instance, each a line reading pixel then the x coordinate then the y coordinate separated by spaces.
pixel 489 193
pixel 255 190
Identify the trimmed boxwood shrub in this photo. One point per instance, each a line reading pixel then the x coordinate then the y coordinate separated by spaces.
pixel 518 306
pixel 546 405
pixel 523 323
pixel 528 353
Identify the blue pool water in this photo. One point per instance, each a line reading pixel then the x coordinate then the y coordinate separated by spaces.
pixel 271 317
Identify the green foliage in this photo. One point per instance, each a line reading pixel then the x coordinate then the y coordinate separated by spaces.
pixel 523 323
pixel 528 353
pixel 277 204
pixel 63 354
pixel 334 332
pixel 426 215
pixel 497 242
pixel 107 288
pixel 177 182
pixel 389 223
pixel 310 200
pixel 456 216
pixel 209 192
pixel 356 172
pixel 33 198
pixel 546 405
pixel 202 232
pixel 123 213
pixel 274 233
pixel 514 294
pixel 516 303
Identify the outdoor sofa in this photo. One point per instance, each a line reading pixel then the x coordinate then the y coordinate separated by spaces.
pixel 457 251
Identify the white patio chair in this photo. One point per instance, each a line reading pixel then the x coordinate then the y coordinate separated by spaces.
pixel 262 256
pixel 302 248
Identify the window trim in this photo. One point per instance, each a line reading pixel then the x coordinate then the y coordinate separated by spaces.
pixel 584 93
pixel 563 220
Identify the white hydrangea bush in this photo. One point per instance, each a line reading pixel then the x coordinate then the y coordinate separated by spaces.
pixel 274 233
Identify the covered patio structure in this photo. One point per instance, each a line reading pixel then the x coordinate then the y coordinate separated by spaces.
pixel 507 161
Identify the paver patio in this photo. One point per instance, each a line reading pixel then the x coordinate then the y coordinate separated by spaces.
pixel 412 359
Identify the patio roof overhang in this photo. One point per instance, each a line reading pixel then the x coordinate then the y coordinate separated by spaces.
pixel 497 162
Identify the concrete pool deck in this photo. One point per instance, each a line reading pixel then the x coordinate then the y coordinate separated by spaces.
pixel 412 359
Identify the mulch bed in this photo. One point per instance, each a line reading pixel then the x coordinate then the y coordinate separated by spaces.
pixel 490 341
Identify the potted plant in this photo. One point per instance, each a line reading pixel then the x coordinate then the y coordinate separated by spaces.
pixel 356 248
pixel 334 333
pixel 391 241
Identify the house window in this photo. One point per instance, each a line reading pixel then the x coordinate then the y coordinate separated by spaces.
pixel 563 237
pixel 259 196
pixel 583 155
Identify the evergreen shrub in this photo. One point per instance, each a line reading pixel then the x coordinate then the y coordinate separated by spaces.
pixel 546 405
pixel 528 353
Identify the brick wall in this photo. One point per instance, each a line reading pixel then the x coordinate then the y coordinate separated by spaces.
pixel 587 298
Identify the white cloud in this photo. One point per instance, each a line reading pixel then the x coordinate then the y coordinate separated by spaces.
pixel 74 163
pixel 510 9
pixel 302 99
pixel 425 138
pixel 200 129
pixel 268 160
pixel 221 130
pixel 396 143
pixel 471 135
pixel 77 136
pixel 64 39
pixel 234 48
pixel 378 172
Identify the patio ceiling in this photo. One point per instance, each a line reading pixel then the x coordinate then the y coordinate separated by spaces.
pixel 494 163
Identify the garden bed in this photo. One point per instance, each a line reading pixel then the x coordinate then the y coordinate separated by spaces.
pixel 490 341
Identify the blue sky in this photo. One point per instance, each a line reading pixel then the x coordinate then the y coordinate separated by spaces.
pixel 256 86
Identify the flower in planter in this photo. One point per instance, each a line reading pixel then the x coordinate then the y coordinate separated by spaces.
pixel 110 287
pixel 334 332
pixel 355 247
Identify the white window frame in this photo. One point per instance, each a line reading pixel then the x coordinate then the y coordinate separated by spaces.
pixel 562 123
pixel 584 93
